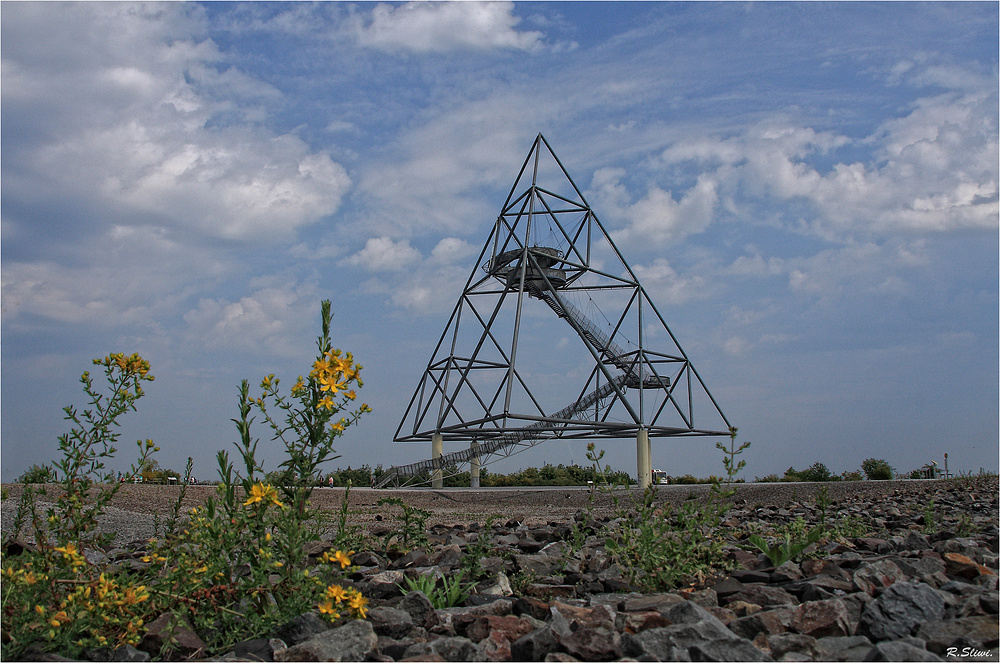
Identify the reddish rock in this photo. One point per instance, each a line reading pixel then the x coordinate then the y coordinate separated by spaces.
pixel 724 615
pixel 496 628
pixel 536 608
pixel 873 578
pixel 742 608
pixel 822 618
pixel 578 617
pixel 634 622
pixel 962 566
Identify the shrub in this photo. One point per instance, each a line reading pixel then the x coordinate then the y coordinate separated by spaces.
pixel 877 469
pixel 817 472
pixel 38 474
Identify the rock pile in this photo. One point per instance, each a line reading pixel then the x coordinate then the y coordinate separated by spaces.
pixel 919 584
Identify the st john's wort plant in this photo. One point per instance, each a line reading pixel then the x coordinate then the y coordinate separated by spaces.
pixel 53 598
pixel 241 564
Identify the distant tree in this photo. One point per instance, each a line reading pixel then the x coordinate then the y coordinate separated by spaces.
pixel 877 469
pixel 817 472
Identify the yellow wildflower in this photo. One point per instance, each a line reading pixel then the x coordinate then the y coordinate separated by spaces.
pixel 358 604
pixel 330 383
pixel 336 592
pixel 326 608
pixel 261 493
pixel 327 402
pixel 343 558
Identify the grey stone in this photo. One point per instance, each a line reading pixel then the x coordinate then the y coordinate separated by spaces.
pixel 783 644
pixel 726 650
pixel 540 565
pixel 395 649
pixel 656 644
pixel 534 646
pixel 354 641
pixel 592 643
pixel 693 615
pixel 392 622
pixel 302 628
pixel 421 610
pixel 768 622
pixel 787 572
pixel 978 631
pixel 449 556
pixel 650 602
pixel 917 568
pixel 900 610
pixel 761 595
pixel 259 649
pixel 454 648
pixel 915 541
pixel 844 648
pixel 170 633
pixel 385 584
pixel 129 654
pixel 900 651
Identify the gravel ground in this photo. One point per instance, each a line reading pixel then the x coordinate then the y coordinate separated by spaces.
pixel 136 507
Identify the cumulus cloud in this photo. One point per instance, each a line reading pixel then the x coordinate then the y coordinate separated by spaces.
pixel 141 273
pixel 264 320
pixel 933 169
pixel 145 121
pixel 381 254
pixel 445 26
pixel 658 217
pixel 664 284
pixel 452 249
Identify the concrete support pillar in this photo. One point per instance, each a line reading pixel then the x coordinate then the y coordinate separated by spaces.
pixel 474 466
pixel 437 450
pixel 643 464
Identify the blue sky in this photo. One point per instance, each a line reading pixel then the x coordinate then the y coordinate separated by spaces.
pixel 808 192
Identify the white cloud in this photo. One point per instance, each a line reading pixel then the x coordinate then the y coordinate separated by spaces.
pixel 445 26
pixel 657 218
pixel 134 275
pixel 933 170
pixel 381 254
pixel 434 178
pixel 132 119
pixel 452 249
pixel 266 320
pixel 664 284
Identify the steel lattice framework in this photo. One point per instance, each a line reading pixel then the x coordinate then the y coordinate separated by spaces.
pixel 548 248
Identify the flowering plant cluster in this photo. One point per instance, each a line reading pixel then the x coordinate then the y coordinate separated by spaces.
pixel 52 596
pixel 235 567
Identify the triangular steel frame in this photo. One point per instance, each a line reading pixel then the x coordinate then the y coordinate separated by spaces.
pixel 544 248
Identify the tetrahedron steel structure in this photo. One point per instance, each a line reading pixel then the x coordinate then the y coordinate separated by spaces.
pixel 550 256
